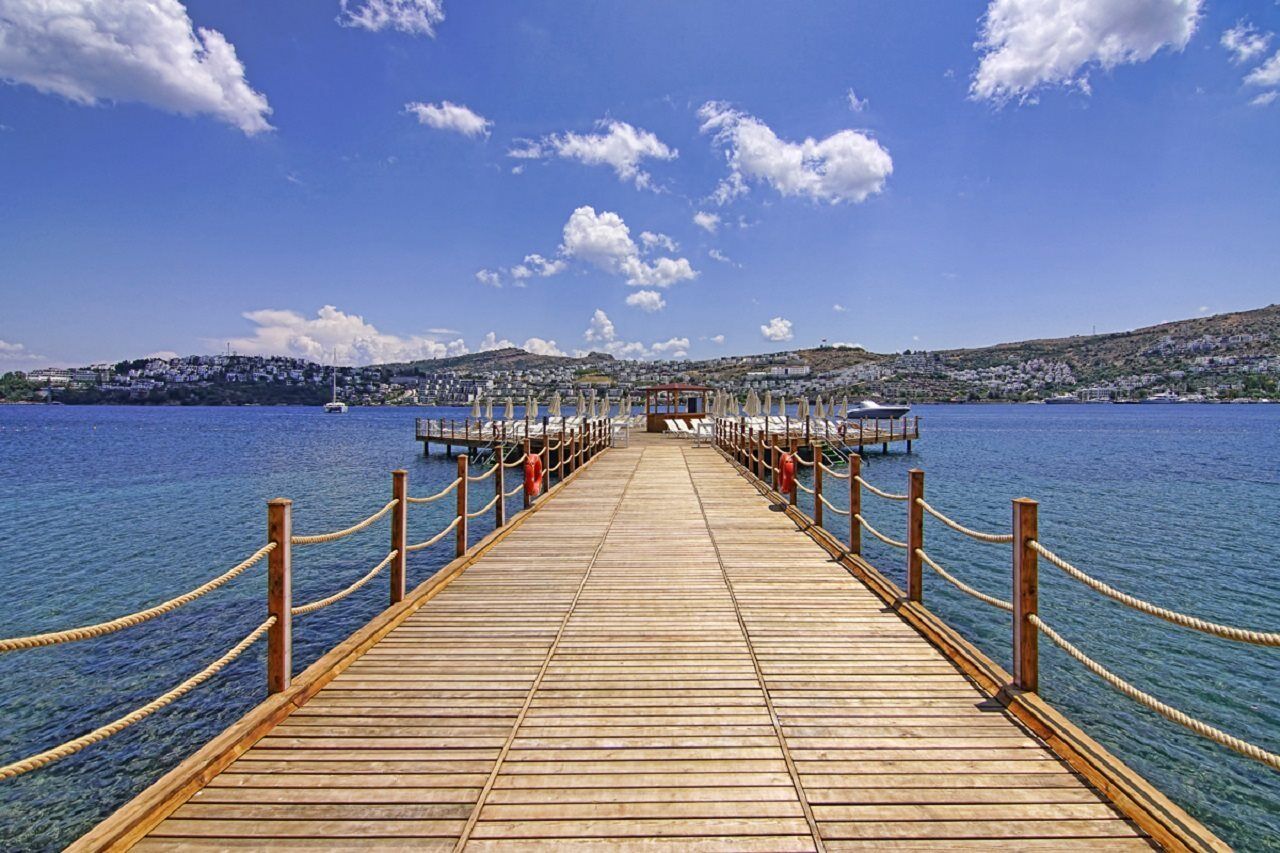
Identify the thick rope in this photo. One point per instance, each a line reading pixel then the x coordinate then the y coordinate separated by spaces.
pixel 961 585
pixel 832 506
pixel 434 539
pixel 960 528
pixel 889 496
pixel 317 538
pixel 1243 635
pixel 876 533
pixel 802 487
pixel 438 495
pixel 482 510
pixel 514 489
pixel 486 475
pixel 103 628
pixel 520 461
pixel 71 747
pixel 833 473
pixel 1170 713
pixel 322 603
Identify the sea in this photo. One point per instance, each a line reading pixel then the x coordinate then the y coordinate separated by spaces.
pixel 104 510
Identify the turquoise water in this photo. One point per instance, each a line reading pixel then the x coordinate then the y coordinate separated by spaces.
pixel 107 509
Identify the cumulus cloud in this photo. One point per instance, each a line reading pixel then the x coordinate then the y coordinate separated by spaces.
pixel 845 166
pixel 492 342
pixel 144 51
pixel 855 103
pixel 15 356
pixel 717 339
pixel 838 308
pixel 541 346
pixel 1026 44
pixel 604 240
pixel 717 255
pixel 652 241
pixel 333 333
pixel 415 17
pixel 450 116
pixel 603 336
pixel 1265 98
pixel 619 145
pixel 672 348
pixel 709 222
pixel 1244 42
pixel 777 329
pixel 1266 74
pixel 647 300
pixel 536 265
pixel 491 278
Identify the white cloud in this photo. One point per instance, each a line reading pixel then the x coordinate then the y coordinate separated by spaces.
pixel 855 103
pixel 282 332
pixel 416 17
pixel 450 116
pixel 491 278
pixel 603 336
pixel 621 147
pixel 1266 74
pixel 1244 42
pixel 777 329
pixel 647 300
pixel 605 241
pixel 145 51
pixel 163 355
pixel 540 346
pixel 1264 99
pixel 709 222
pixel 717 339
pixel 15 356
pixel 600 329
pixel 720 256
pixel 838 308
pixel 652 241
pixel 845 166
pixel 847 345
pixel 536 265
pixel 491 342
pixel 672 347
pixel 1026 44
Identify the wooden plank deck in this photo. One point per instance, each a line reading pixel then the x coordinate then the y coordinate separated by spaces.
pixel 656 660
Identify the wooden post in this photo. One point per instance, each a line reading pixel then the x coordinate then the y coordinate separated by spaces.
pixel 546 465
pixel 399 532
pixel 462 505
pixel 500 486
pixel 280 595
pixel 773 461
pixel 855 504
pixel 528 499
pixel 794 450
pixel 915 534
pixel 817 486
pixel 1026 650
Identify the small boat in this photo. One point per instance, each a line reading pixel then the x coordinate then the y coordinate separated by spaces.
pixel 336 406
pixel 1163 397
pixel 1062 399
pixel 872 409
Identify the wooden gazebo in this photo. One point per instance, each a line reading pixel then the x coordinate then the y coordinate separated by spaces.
pixel 674 401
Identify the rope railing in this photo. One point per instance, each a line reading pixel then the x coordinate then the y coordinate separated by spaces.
pixel 482 510
pixel 486 475
pixel 71 747
pixel 1229 632
pixel 317 538
pixel 101 629
pixel 1148 701
pixel 438 495
pixel 831 472
pixel 434 539
pixel 513 490
pixel 960 528
pixel 802 487
pixel 866 525
pixel 889 496
pixel 961 585
pixel 829 505
pixel 320 604
pixel 520 461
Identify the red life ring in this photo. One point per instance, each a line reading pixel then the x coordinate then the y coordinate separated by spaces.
pixel 533 475
pixel 787 474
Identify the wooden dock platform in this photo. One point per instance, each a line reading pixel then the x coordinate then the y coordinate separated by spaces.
pixel 656 659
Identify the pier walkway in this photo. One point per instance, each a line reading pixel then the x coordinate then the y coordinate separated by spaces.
pixel 659 659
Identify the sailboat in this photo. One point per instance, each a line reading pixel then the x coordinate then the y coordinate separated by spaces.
pixel 336 406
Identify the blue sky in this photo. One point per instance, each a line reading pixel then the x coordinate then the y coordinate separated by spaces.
pixel 1001 171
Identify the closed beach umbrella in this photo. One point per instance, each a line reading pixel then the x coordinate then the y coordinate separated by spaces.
pixel 510 411
pixel 532 409
pixel 768 403
pixel 475 407
pixel 488 408
pixel 554 408
pixel 580 405
pixel 844 405
pixel 753 404
pixel 802 411
pixel 820 411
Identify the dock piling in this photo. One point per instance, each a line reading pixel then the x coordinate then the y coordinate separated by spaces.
pixel 399 532
pixel 1026 652
pixel 462 505
pixel 915 534
pixel 280 595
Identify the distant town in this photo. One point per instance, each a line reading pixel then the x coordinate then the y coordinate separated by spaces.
pixel 1231 357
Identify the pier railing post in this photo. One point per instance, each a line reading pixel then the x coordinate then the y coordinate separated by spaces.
pixel 528 450
pixel 817 485
pixel 915 534
pixel 500 486
pixel 280 595
pixel 855 503
pixel 1026 652
pixel 399 532
pixel 773 461
pixel 546 465
pixel 462 506
pixel 794 450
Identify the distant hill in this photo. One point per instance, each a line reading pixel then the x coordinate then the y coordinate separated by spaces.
pixel 508 358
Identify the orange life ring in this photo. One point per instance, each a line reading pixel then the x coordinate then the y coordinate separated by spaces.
pixel 787 475
pixel 533 475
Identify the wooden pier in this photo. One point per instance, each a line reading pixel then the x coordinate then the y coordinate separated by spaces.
pixel 659 655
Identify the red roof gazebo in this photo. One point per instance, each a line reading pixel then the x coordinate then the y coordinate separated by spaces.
pixel 673 401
